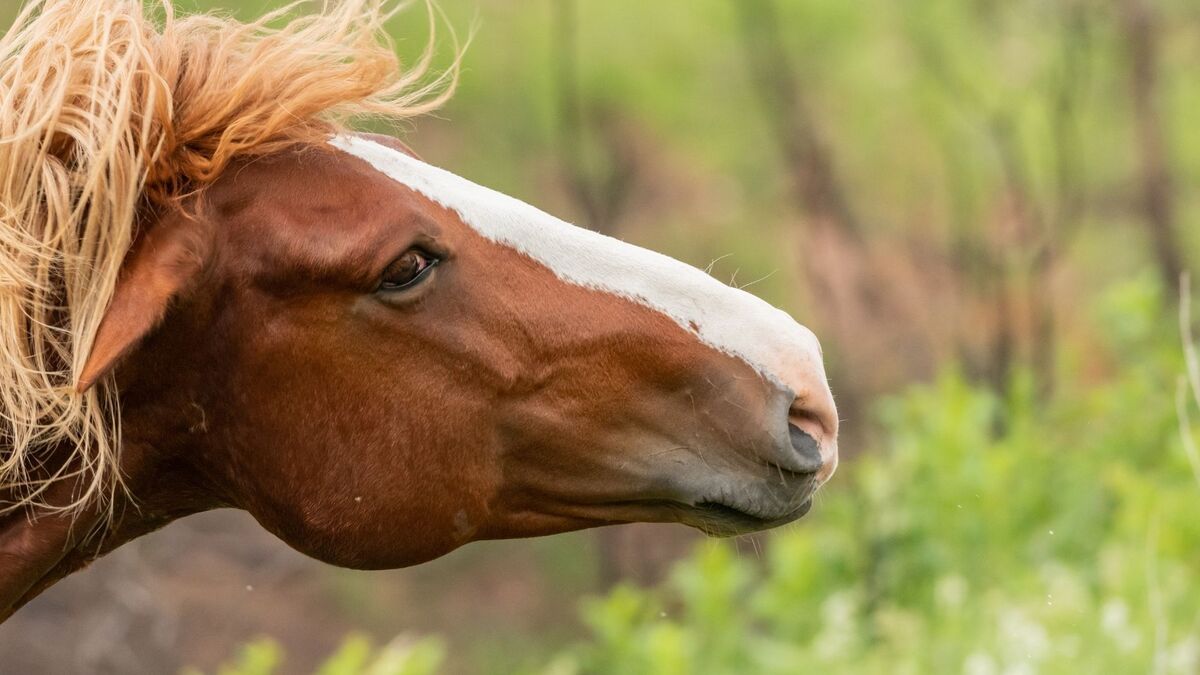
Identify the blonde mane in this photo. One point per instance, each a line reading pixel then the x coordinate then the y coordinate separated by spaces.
pixel 107 108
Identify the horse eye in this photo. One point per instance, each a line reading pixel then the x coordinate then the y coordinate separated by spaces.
pixel 407 270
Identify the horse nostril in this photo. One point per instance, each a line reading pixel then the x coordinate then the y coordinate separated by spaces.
pixel 808 451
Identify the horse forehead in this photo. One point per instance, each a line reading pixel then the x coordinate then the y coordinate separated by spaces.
pixel 731 320
pixel 316 206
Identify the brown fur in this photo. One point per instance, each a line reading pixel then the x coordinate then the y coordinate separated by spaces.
pixel 258 369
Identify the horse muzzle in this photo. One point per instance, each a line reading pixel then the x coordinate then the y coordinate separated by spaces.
pixel 734 484
pixel 778 490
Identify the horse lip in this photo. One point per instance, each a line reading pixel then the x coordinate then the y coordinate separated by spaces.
pixel 755 497
pixel 720 518
pixel 715 517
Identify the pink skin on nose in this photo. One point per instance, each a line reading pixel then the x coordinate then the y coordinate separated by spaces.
pixel 813 411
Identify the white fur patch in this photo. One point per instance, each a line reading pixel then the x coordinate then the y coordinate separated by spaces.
pixel 728 319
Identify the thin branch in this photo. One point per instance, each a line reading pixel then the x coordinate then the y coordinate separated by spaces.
pixel 1189 382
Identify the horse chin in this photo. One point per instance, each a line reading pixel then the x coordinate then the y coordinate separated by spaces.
pixel 714 517
pixel 741 504
pixel 717 519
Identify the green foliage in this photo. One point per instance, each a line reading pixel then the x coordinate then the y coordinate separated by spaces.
pixel 356 656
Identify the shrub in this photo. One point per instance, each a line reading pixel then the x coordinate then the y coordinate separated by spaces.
pixel 356 656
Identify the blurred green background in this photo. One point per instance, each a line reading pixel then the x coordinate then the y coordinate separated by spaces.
pixel 982 207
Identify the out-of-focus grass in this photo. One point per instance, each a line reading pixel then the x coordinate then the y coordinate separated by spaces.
pixel 356 656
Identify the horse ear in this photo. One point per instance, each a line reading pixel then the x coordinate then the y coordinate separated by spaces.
pixel 160 266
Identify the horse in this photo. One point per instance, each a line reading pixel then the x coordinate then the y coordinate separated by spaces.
pixel 217 294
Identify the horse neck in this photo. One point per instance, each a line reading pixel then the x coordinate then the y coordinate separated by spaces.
pixel 39 546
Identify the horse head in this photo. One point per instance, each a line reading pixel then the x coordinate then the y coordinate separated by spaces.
pixel 382 361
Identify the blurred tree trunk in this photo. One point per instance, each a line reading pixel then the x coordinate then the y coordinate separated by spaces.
pixel 836 261
pixel 599 189
pixel 1141 34
pixel 1063 219
pixel 815 183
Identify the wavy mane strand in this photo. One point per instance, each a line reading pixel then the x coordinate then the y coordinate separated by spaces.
pixel 107 109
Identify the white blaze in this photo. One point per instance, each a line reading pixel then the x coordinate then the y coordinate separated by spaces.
pixel 726 318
